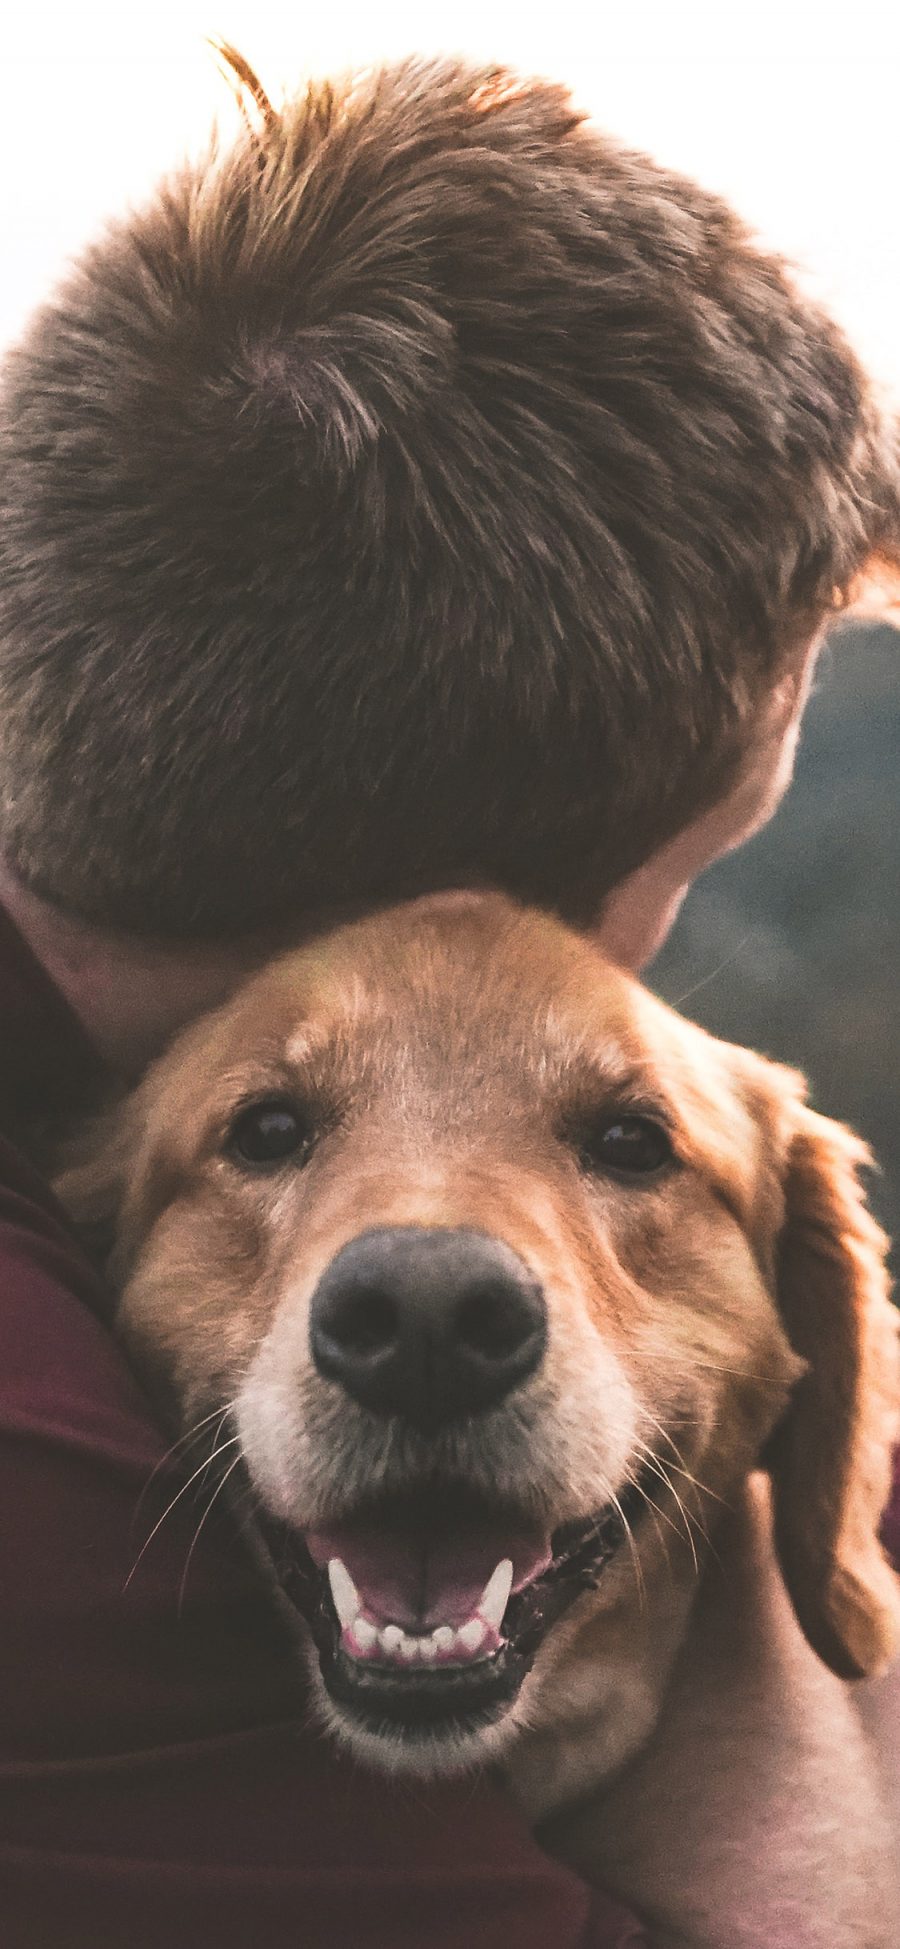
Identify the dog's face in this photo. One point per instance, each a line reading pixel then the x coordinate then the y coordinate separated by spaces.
pixel 474 1246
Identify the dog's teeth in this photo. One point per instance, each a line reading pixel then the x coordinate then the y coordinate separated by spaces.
pixel 345 1595
pixel 403 1647
pixel 495 1595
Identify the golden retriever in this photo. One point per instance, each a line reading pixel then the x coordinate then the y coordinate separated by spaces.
pixel 507 1280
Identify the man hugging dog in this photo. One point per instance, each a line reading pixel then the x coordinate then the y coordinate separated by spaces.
pixel 423 493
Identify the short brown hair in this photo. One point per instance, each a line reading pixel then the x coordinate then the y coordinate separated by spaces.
pixel 425 489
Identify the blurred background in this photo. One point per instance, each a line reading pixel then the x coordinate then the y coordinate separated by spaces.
pixel 790 110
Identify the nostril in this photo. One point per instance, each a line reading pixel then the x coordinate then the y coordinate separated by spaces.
pixel 361 1324
pixel 429 1323
pixel 489 1322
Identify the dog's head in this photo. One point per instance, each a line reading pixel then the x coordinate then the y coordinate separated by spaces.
pixel 500 1275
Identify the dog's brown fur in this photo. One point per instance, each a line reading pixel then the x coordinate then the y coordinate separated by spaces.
pixel 426 491
pixel 451 1056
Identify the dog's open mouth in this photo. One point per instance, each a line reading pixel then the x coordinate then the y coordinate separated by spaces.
pixel 427 1608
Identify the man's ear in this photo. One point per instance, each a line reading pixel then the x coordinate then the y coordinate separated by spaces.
pixel 831 1457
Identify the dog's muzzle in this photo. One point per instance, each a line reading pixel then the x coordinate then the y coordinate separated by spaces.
pixel 427 1605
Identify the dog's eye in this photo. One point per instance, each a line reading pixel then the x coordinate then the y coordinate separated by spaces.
pixel 267 1132
pixel 627 1146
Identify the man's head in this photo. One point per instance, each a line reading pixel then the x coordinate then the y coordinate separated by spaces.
pixel 427 490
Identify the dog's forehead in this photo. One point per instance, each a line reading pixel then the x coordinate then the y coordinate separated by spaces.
pixel 460 980
pixel 480 1019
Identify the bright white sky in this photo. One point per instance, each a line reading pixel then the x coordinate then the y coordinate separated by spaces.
pixel 790 110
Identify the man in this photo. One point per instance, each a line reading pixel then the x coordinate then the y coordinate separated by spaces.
pixel 424 492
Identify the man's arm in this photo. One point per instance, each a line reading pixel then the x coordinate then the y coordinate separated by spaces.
pixel 754 1818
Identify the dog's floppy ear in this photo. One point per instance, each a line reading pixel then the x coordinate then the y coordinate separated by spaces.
pixel 94 1178
pixel 831 1457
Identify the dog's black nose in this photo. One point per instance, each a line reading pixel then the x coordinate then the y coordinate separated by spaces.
pixel 427 1324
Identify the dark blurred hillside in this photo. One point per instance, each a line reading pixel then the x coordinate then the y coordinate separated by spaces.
pixel 793 944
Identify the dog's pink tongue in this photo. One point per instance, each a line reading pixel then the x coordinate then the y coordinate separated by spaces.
pixel 421 1571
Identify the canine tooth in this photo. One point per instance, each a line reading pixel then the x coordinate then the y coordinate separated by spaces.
pixel 443 1637
pixel 495 1595
pixel 391 1637
pixel 346 1597
pixel 471 1634
pixel 364 1632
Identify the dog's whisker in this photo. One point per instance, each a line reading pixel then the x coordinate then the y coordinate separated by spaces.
pixel 185 1442
pixel 680 1467
pixel 702 1488
pixel 690 1519
pixel 695 1483
pixel 206 1513
pixel 683 1512
pixel 632 1548
pixel 235 1439
pixel 216 1450
pixel 666 1434
pixel 714 975
pixel 699 1524
pixel 684 1534
pixel 656 1516
pixel 739 1373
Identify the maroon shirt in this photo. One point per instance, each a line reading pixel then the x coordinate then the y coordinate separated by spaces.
pixel 160 1780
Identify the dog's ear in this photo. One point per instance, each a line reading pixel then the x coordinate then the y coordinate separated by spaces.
pixel 93 1180
pixel 831 1457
